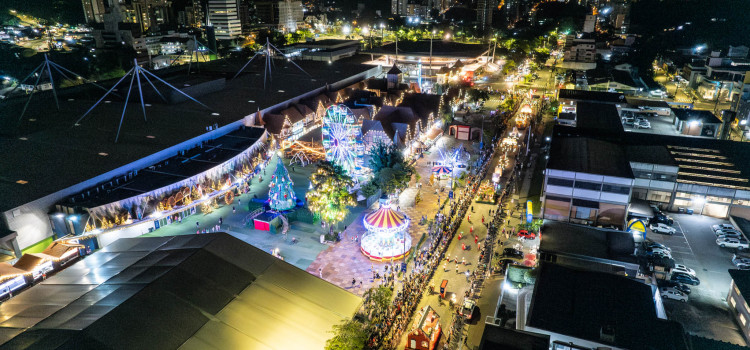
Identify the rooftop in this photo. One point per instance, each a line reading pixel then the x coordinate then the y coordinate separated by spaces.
pixel 329 43
pixel 440 48
pixel 588 155
pixel 584 302
pixel 649 154
pixel 177 168
pixel 65 155
pixel 641 102
pixel 587 241
pixel 591 96
pixel 495 337
pixel 209 291
pixel 702 161
pixel 598 116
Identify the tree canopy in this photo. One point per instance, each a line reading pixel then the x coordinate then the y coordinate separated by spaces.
pixel 349 335
pixel 391 171
pixel 330 198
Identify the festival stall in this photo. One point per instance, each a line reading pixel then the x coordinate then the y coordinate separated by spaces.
pixel 386 237
pixel 426 332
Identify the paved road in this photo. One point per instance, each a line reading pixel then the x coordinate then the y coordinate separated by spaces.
pixel 707 312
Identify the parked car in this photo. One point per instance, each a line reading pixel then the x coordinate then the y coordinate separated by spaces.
pixel 651 245
pixel 642 124
pixel 723 227
pixel 660 217
pixel 736 260
pixel 663 228
pixel 467 310
pixel 726 231
pixel 685 278
pixel 726 242
pixel 684 269
pixel 674 294
pixel 658 253
pixel 676 285
pixel 525 234
pixel 736 235
pixel 512 252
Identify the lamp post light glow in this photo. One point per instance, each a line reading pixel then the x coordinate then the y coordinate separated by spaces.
pixel 346 29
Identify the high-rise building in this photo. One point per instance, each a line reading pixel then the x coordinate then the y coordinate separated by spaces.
pixel 589 24
pixel 484 12
pixel 290 14
pixel 93 11
pixel 283 15
pixel 398 7
pixel 223 16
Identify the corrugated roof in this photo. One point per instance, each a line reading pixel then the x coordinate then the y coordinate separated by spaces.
pixel 209 291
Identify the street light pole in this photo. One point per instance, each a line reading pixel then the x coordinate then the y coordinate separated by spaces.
pixel 431 37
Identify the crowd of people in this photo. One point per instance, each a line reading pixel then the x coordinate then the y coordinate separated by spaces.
pixel 394 321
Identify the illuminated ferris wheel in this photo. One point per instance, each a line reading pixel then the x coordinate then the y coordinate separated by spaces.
pixel 340 131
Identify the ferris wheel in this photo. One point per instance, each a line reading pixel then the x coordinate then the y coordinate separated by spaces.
pixel 340 131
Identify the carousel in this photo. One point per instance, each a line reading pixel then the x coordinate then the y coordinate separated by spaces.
pixel 386 237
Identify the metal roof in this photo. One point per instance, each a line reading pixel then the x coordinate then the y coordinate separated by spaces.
pixel 209 291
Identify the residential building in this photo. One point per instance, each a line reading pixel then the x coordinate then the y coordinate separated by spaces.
pixel 485 8
pixel 282 15
pixel 94 10
pixel 589 24
pixel 291 15
pixel 224 17
pixel 580 49
pixel 399 7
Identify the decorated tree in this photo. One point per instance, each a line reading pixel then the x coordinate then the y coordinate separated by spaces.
pixel 391 171
pixel 281 195
pixel 329 197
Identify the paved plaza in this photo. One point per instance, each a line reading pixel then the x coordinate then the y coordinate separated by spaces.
pixel 343 262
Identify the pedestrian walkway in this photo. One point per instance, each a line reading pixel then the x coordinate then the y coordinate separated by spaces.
pixel 233 216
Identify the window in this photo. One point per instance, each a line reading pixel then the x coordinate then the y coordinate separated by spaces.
pixel 641 174
pixel 742 319
pixel 615 189
pixel 588 185
pixel 718 199
pixel 559 182
pixel 658 196
pixel 732 302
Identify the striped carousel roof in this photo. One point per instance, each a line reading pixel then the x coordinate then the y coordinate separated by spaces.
pixel 385 217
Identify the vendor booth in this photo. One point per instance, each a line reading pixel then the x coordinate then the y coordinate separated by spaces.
pixel 426 332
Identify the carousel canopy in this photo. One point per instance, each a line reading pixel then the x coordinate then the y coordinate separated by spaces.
pixel 441 170
pixel 386 218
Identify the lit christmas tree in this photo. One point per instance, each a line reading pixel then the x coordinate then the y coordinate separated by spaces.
pixel 281 194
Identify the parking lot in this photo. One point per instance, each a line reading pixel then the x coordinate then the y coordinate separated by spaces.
pixel 707 312
pixel 660 125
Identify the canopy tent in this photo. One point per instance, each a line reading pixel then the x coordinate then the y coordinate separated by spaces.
pixel 440 170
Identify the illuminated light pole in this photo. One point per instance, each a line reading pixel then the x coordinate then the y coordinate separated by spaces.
pixel 431 37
